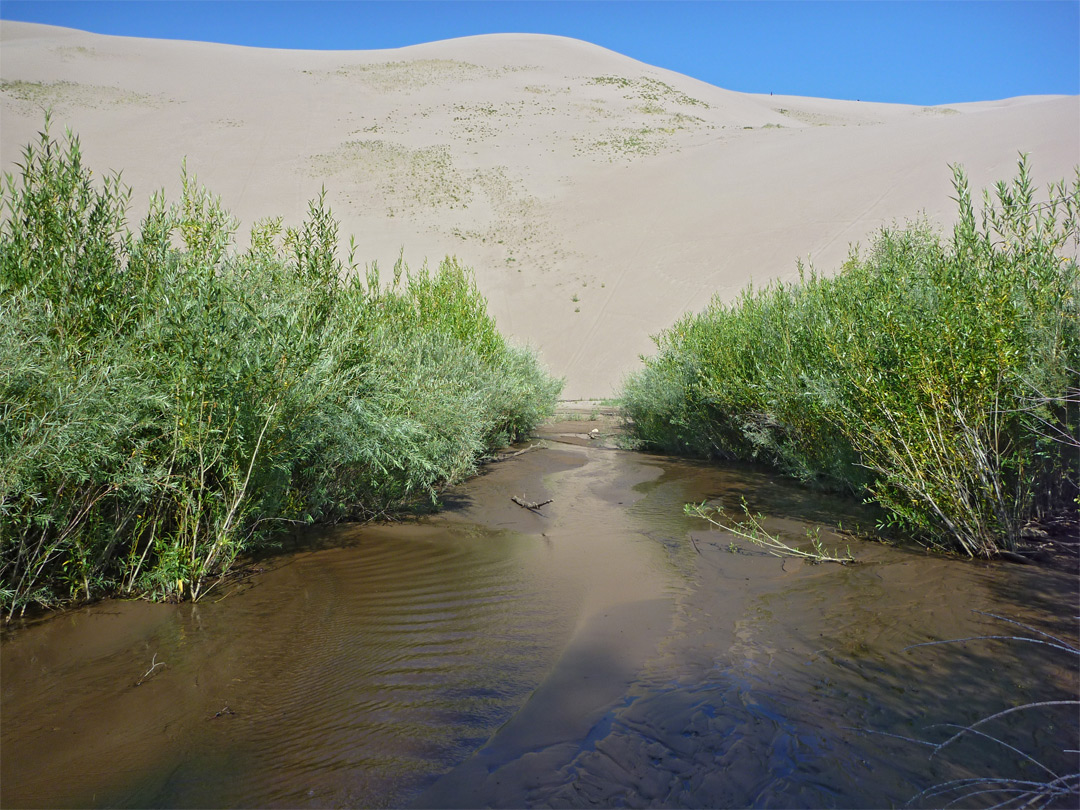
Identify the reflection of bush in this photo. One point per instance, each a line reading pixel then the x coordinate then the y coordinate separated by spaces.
pixel 940 380
pixel 167 402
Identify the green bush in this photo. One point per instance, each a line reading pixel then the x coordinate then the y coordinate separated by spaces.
pixel 167 402
pixel 938 379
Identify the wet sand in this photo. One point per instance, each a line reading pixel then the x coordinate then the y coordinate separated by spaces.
pixel 608 650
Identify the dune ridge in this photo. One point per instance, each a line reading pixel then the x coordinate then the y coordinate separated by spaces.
pixel 596 197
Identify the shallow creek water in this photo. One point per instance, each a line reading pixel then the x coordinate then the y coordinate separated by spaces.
pixel 608 652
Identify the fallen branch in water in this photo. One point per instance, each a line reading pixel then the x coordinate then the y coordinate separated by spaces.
pixel 154 664
pixel 507 456
pixel 532 507
pixel 751 529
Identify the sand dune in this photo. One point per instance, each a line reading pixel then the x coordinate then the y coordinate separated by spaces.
pixel 597 198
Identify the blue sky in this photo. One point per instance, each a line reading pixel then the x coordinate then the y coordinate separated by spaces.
pixel 907 51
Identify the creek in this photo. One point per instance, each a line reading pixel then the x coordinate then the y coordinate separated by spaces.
pixel 605 650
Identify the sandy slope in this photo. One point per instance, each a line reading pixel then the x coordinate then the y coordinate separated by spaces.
pixel 597 198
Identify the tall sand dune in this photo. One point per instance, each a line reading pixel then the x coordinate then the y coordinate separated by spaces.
pixel 596 197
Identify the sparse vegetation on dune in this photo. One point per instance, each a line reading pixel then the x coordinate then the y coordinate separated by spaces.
pixel 412 75
pixel 648 89
pixel 71 94
pixel 168 402
pixel 938 379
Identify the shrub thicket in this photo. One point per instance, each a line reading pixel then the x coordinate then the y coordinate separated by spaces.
pixel 167 401
pixel 939 379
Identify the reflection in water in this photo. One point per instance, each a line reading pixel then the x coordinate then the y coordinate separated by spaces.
pixel 589 655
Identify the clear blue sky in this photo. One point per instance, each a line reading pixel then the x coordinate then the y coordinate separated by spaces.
pixel 908 51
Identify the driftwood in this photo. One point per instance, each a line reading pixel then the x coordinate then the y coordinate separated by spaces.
pixel 508 456
pixel 532 507
pixel 154 664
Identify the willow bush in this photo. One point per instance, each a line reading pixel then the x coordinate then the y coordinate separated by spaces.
pixel 168 401
pixel 938 378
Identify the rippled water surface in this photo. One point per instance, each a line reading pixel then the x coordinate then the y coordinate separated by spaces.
pixel 609 651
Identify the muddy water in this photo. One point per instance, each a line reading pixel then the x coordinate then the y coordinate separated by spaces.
pixel 609 651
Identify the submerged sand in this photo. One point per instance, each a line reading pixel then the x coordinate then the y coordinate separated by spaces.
pixel 605 651
pixel 597 198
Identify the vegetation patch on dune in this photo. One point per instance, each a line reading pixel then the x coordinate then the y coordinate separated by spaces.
pixel 517 223
pixel 495 207
pixel 625 142
pixel 546 90
pixel 168 402
pixel 69 53
pixel 938 379
pixel 414 74
pixel 475 123
pixel 72 94
pixel 815 119
pixel 403 179
pixel 648 90
pixel 654 119
pixel 634 142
